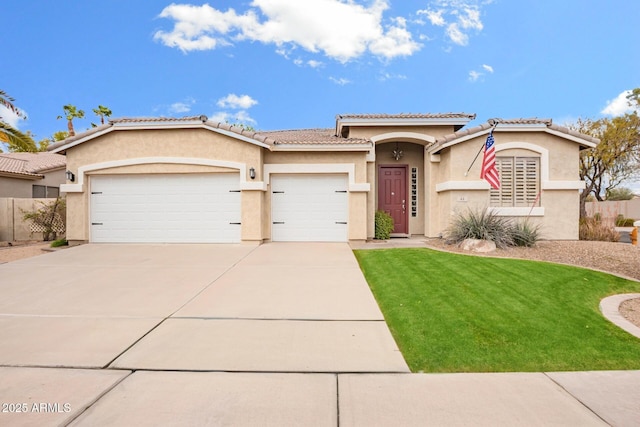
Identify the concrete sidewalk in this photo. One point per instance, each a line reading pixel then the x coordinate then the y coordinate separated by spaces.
pixel 279 334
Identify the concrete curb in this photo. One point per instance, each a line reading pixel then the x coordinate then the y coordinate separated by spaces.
pixel 610 309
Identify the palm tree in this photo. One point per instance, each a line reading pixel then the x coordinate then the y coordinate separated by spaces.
pixel 17 140
pixel 71 112
pixel 101 112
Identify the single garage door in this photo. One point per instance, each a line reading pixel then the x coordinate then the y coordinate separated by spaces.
pixel 176 208
pixel 309 208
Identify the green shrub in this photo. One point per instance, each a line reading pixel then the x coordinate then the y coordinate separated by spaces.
pixel 525 233
pixel 621 221
pixel 59 242
pixel 482 225
pixel 592 228
pixel 384 225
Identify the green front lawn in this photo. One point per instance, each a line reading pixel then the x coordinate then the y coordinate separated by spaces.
pixel 461 313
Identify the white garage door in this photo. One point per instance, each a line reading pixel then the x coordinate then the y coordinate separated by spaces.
pixel 309 208
pixel 177 208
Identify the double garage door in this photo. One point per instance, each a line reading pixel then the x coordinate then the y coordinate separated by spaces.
pixel 177 208
pixel 206 208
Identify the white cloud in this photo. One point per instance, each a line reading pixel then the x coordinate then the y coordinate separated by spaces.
pixel 619 105
pixel 342 30
pixel 9 117
pixel 388 76
pixel 435 17
pixel 239 103
pixel 310 63
pixel 182 107
pixel 236 102
pixel 459 17
pixel 240 116
pixel 340 81
pixel 474 75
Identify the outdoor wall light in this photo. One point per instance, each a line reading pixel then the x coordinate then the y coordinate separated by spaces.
pixel 397 153
pixel 70 176
pixel 252 173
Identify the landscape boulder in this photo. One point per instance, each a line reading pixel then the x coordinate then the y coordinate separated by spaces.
pixel 476 245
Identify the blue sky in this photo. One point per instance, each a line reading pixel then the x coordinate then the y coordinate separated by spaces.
pixel 282 64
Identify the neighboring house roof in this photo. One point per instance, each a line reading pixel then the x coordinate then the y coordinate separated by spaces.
pixel 30 165
pixel 514 125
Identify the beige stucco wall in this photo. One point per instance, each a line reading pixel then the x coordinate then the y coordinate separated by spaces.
pixel 202 144
pixel 16 187
pixel 23 188
pixel 561 213
pixel 372 131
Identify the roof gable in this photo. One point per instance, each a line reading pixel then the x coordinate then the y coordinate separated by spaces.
pixel 272 140
pixel 514 125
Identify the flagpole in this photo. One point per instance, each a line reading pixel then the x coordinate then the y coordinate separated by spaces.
pixel 495 124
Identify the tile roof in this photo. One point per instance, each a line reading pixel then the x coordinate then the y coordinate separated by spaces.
pixel 408 116
pixel 271 138
pixel 310 136
pixel 548 123
pixel 30 164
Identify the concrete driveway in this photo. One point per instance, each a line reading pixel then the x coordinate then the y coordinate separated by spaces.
pixel 278 334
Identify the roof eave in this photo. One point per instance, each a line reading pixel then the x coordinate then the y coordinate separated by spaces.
pixel 530 127
pixel 322 147
pixel 458 122
pixel 154 125
pixel 18 175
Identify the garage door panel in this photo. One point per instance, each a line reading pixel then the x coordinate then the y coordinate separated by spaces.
pixel 165 208
pixel 309 207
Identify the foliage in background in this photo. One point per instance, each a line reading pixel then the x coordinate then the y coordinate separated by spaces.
pixel 49 218
pixel 71 112
pixel 594 228
pixel 622 193
pixel 101 112
pixel 15 139
pixel 616 158
pixel 621 221
pixel 384 225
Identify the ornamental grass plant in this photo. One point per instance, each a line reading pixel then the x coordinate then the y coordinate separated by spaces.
pixel 486 225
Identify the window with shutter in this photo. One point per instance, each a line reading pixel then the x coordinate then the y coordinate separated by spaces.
pixel 519 182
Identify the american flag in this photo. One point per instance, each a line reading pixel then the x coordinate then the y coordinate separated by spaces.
pixel 489 171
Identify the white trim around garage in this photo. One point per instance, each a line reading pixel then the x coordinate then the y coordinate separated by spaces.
pixel 315 168
pixel 240 167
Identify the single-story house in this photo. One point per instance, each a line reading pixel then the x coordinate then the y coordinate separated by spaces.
pixel 31 175
pixel 194 180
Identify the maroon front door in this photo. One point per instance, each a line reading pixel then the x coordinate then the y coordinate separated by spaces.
pixel 392 195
